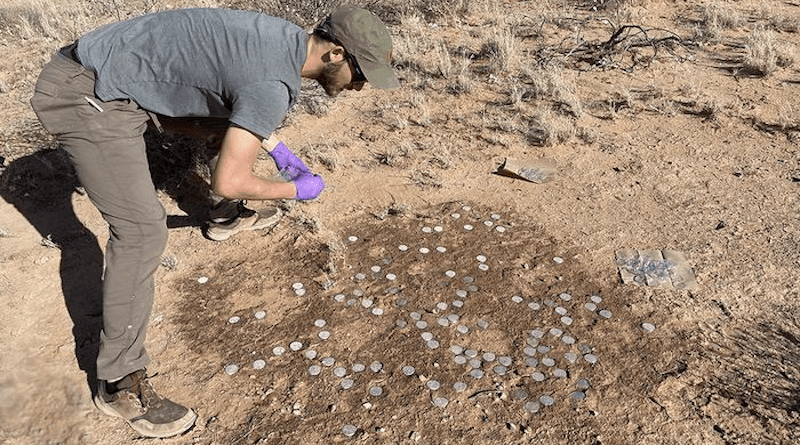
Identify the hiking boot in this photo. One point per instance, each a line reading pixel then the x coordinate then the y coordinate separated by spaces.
pixel 134 400
pixel 225 210
pixel 246 220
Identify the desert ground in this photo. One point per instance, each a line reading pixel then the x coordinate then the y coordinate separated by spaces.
pixel 428 296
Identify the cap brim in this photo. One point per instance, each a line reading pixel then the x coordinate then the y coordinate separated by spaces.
pixel 379 74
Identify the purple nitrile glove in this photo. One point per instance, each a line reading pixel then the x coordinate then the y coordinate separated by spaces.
pixel 308 186
pixel 289 165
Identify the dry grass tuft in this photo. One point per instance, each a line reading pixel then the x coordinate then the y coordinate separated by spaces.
pixel 765 54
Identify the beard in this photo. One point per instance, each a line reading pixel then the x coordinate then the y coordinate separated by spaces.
pixel 328 79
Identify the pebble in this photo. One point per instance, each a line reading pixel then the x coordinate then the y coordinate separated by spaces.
pixel 441 402
pixel 231 369
pixel 648 327
pixel 234 319
pixel 260 314
pixel 202 280
pixel 259 364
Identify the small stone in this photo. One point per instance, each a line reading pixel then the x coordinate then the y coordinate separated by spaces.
pixel 358 367
pixel 259 364
pixel 547 400
pixel 377 311
pixel 566 320
pixel 426 229
pixel 483 267
pixel 324 335
pixel 438 229
pixel 568 340
pixel 347 383
pixel 549 362
pixel 260 314
pixel 310 354
pixel 500 370
pixel 583 384
pixel 648 327
pixel 555 332
pixel 376 391
pixel 596 299
pixel 422 324
pixel 471 353
pixel 300 292
pixel 455 215
pixel 415 315
pixel 571 357
pixel 488 356
pixel 577 396
pixel 565 296
pixel 458 303
pixel 440 402
pixel 558 260
pixel 590 358
pixel 202 280
pixel 314 369
pixel 278 350
pixel 500 229
pixel 450 273
pixel 520 394
pixel 231 369
pixel 376 366
pixel 460 359
pixel 476 374
pixel 605 313
pixel 339 298
pixel 505 360
pixel 459 386
pixel 352 238
pixel 295 346
pixel 297 285
pixel 375 269
pixel 531 362
pixel 402 247
pixel 408 370
pixel 488 223
pixel 328 361
pixel 481 258
pixel 441 249
pixel 462 329
pixel 233 319
pixel 483 324
pixel 559 373
pixel 516 299
pixel 537 333
pixel 360 276
pixel 319 323
pixel 538 376
pixel 561 311
pixel 432 344
pixel 433 385
pixel 443 322
pixel 590 307
pixel 441 306
pixel 468 227
pixel 424 250
pixel 456 349
pixel 339 371
pixel 461 293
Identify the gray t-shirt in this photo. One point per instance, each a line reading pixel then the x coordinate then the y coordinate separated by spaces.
pixel 240 65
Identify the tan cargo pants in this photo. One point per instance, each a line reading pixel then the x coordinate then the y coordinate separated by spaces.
pixel 105 143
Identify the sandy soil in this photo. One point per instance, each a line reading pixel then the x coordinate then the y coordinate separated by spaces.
pixel 690 152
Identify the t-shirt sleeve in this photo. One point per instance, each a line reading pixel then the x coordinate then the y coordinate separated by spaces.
pixel 260 107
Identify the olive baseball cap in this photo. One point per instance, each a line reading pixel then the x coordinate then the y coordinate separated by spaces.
pixel 364 35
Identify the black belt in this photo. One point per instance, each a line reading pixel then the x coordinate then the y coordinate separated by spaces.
pixel 71 52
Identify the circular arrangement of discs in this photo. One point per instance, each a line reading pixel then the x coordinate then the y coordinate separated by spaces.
pixel 432 286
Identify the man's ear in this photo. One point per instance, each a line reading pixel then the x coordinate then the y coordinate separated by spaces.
pixel 336 54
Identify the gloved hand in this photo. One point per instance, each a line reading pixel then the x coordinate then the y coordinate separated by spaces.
pixel 308 185
pixel 289 165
